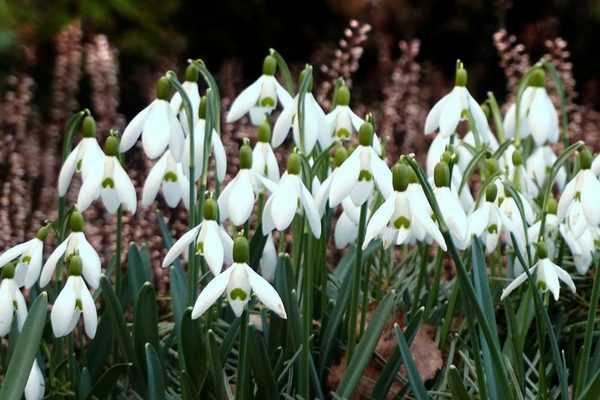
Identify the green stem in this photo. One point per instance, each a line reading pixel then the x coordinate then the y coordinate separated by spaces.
pixel 420 279
pixel 433 294
pixel 307 305
pixel 242 369
pixel 353 311
pixel 119 250
pixel 589 328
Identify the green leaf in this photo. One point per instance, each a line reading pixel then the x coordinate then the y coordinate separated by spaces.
pixel 413 375
pixel 261 365
pixel 285 72
pixel 257 244
pixel 26 348
pixel 154 374
pixel 85 384
pixel 100 347
pixel 137 272
pixel 114 309
pixel 179 290
pixel 456 384
pixel 193 348
pixel 145 322
pixel 364 350
pixel 106 383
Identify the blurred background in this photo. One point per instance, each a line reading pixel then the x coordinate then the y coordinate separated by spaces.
pixel 59 56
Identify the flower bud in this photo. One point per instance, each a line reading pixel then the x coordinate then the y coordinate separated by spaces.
pixel 89 127
pixel 585 158
pixel 264 132
pixel 460 78
pixel 551 206
pixel 210 209
pixel 305 74
pixel 42 233
pixel 538 77
pixel 402 176
pixel 269 65
pixel 365 134
pixel 76 221
pixel 293 164
pixel 342 96
pixel 245 156
pixel 111 146
pixel 241 250
pixel 202 108
pixel 191 73
pixel 163 88
pixel 8 271
pixel 340 156
pixel 75 265
pixel 491 192
pixel 517 158
pixel 441 174
pixel 541 251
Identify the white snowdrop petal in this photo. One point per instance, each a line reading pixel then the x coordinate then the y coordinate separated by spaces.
pixel 240 200
pixel 154 181
pixel 547 274
pixel 67 170
pixel 245 100
pixel 213 248
pixel 124 188
pixel 35 263
pixel 450 114
pixel 155 138
pixel 345 178
pixel 518 281
pixel 90 189
pixel 14 252
pixel 284 204
pixel 283 124
pixel 35 386
pixel 268 260
pixel 220 156
pixel 134 129
pixel 50 265
pixel 345 231
pixel 6 308
pixel 63 309
pixel 90 316
pixel 91 262
pixel 432 121
pixel 379 220
pixel 211 293
pixel 181 245
pixel 266 293
pixel 310 210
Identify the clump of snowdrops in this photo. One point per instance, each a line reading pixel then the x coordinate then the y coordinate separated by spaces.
pixel 257 309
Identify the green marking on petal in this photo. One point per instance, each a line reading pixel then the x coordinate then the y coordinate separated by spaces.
pixel 267 102
pixel 200 248
pixel 238 294
pixel 343 133
pixel 78 305
pixel 365 175
pixel 402 222
pixel 578 196
pixel 108 183
pixel 492 229
pixel 170 177
pixel 25 260
pixel 78 166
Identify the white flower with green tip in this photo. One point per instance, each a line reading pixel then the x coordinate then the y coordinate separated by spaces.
pixel 12 302
pixel 168 177
pixel 268 260
pixel 28 256
pixel 264 162
pixel 190 87
pixel 35 386
pixel 488 222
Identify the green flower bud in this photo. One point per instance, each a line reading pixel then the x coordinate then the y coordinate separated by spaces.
pixel 241 250
pixel 551 206
pixel 491 192
pixel 342 96
pixel 210 209
pixel 89 127
pixel 202 108
pixel 365 134
pixel 245 156
pixel 538 78
pixel 111 146
pixel 517 158
pixel 8 271
pixel 541 251
pixel 340 156
pixel 76 221
pixel 449 157
pixel 269 65
pixel 75 265
pixel 441 174
pixel 42 233
pixel 585 158
pixel 264 132
pixel 402 176
pixel 305 73
pixel 191 73
pixel 491 166
pixel 163 88
pixel 460 78
pixel 293 164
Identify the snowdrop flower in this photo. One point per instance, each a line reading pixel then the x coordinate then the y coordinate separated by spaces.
pixel 540 163
pixel 346 227
pixel 74 300
pixel 74 245
pixel 28 256
pixel 405 216
pixel 450 109
pixel 110 182
pixel 289 197
pixel 216 144
pixel 450 206
pixel 582 248
pixel 35 387
pixel 190 87
pixel 321 192
pixel 158 126
pixel 268 260
pixel 518 173
pixel 237 199
pixel 260 98
pixel 551 228
pixel 314 118
pixel 537 115
pixel 488 222
pixel 238 282
pixel 547 275
pixel 211 241
pixel 264 162
pixel 356 175
pixel 579 202
pixel 86 157
pixel 168 177
pixel 341 123
pixel 12 301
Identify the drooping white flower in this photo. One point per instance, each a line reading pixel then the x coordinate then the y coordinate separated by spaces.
pixel 539 164
pixel 450 206
pixel 237 199
pixel 488 221
pixel 168 177
pixel 261 97
pixel 405 216
pixel 28 256
pixel 583 247
pixel 74 245
pixel 110 182
pixel 268 260
pixel 450 109
pixel 346 227
pixel 190 87
pixel 86 157
pixel 158 126
pixel 211 241
pixel 35 386
pixel 238 282
pixel 320 190
pixel 12 302
pixel 289 197
pixel 358 173
pixel 579 202
pixel 73 301
pixel 314 118
pixel 264 162
pixel 547 276
pixel 537 115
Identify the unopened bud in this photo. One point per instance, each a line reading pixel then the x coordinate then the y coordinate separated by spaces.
pixel 191 73
pixel 241 250
pixel 491 192
pixel 269 65
pixel 76 222
pixel 89 127
pixel 517 158
pixel 342 96
pixel 402 176
pixel 264 132
pixel 210 209
pixel 111 146
pixel 42 233
pixel 365 134
pixel 460 78
pixel 538 78
pixel 340 156
pixel 585 158
pixel 441 174
pixel 245 156
pixel 293 164
pixel 163 88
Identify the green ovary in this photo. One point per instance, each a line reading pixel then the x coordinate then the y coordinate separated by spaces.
pixel 365 175
pixel 402 222
pixel 238 294
pixel 108 183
